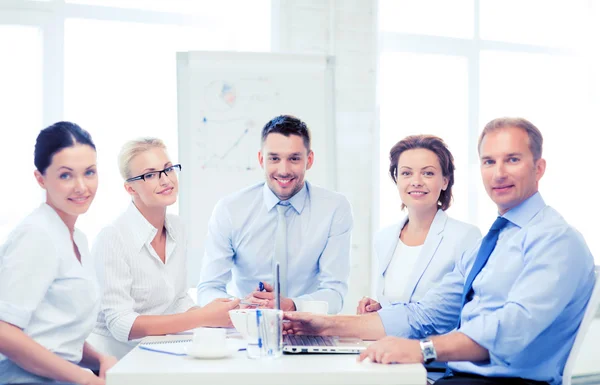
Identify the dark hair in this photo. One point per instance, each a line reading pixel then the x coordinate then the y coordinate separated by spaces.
pixel 287 125
pixel 536 141
pixel 439 148
pixel 54 138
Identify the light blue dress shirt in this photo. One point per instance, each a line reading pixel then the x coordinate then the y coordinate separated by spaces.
pixel 241 242
pixel 528 299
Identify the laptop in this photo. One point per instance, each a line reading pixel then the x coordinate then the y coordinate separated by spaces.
pixel 322 344
pixel 315 344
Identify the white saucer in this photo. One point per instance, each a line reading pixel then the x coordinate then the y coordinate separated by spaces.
pixel 213 353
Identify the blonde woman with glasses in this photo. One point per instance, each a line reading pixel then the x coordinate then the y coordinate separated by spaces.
pixel 141 259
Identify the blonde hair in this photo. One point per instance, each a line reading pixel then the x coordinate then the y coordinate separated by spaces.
pixel 132 149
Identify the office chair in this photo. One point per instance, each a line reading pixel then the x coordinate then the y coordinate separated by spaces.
pixel 590 313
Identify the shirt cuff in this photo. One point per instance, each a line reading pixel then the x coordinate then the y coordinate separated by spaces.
pixel 121 327
pixel 14 315
pixel 395 321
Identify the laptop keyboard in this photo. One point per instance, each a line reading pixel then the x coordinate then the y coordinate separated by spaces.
pixel 302 340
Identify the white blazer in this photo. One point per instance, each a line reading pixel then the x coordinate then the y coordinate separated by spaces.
pixel 445 243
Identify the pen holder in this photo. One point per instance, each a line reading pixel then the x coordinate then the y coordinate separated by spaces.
pixel 265 337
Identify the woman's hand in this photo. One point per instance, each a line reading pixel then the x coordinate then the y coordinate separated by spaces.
pixel 216 313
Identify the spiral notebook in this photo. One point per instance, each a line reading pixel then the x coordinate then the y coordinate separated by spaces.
pixel 176 344
pixel 171 344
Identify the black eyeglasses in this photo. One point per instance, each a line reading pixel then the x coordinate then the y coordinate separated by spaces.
pixel 155 175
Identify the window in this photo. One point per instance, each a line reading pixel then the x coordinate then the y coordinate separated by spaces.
pixel 451 78
pixel 416 17
pixel 555 23
pixel 411 84
pixel 109 66
pixel 21 109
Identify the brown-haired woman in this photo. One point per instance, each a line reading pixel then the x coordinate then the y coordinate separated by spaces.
pixel 414 254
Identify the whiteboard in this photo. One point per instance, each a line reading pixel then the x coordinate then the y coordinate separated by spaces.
pixel 224 99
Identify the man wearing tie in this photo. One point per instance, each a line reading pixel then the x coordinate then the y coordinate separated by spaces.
pixel 516 301
pixel 285 219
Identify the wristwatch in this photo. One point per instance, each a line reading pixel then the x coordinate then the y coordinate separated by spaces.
pixel 428 350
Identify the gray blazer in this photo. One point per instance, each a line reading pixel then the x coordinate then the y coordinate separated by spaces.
pixel 446 241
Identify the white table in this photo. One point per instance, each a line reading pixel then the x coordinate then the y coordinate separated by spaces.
pixel 141 367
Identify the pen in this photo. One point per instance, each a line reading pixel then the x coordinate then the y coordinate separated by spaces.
pixel 160 351
pixel 261 286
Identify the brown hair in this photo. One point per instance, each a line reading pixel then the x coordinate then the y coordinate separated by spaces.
pixel 287 125
pixel 536 141
pixel 439 148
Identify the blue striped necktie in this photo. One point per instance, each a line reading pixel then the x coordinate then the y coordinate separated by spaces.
pixel 487 246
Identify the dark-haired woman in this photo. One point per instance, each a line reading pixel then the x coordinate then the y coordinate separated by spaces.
pixel 414 254
pixel 49 297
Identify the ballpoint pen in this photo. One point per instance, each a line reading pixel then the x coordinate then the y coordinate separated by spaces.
pixel 261 286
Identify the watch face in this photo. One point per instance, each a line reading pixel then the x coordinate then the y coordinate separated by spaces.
pixel 428 350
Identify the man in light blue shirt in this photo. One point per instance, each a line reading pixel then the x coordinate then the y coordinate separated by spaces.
pixel 518 310
pixel 244 230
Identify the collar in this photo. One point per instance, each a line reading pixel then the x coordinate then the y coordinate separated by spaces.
pixel 141 231
pixel 439 222
pixel 521 214
pixel 57 221
pixel 297 201
pixel 436 227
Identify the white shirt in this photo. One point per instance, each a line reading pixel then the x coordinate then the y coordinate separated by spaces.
pixel 399 270
pixel 45 290
pixel 134 279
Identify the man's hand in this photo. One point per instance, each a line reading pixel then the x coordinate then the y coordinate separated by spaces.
pixel 269 296
pixel 307 323
pixel 367 305
pixel 393 350
pixel 106 362
pixel 216 313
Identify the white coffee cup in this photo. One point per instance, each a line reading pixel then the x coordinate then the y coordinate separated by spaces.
pixel 315 307
pixel 209 337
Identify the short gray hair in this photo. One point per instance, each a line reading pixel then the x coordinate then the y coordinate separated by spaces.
pixel 536 141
